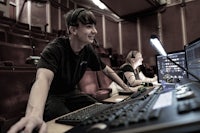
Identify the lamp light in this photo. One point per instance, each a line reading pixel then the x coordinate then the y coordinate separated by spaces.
pixel 99 4
pixel 157 44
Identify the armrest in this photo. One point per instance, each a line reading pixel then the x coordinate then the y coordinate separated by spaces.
pixel 106 89
pixel 103 93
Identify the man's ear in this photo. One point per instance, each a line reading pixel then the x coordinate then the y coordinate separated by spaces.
pixel 73 30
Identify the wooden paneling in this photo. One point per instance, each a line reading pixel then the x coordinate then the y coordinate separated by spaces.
pixel 54 18
pixel 99 36
pixel 38 11
pixel 192 20
pixel 148 26
pixel 172 31
pixel 23 15
pixel 112 35
pixel 129 37
pixel 63 24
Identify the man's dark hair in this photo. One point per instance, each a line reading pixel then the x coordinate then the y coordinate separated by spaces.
pixel 82 15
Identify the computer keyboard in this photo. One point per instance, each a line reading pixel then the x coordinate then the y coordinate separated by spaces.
pixel 78 116
pixel 126 113
pixel 155 111
pixel 121 115
pixel 81 115
pixel 142 92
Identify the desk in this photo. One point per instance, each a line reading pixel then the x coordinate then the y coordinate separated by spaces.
pixel 60 128
pixel 57 128
pixel 179 116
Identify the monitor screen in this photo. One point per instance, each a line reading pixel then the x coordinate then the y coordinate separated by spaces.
pixel 169 72
pixel 192 51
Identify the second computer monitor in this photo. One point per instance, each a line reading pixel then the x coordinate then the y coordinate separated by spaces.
pixel 169 72
pixel 192 51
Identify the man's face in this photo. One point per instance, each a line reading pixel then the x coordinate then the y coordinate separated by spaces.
pixel 86 33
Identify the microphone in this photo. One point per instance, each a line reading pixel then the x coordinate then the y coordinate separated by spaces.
pixel 155 42
pixel 83 63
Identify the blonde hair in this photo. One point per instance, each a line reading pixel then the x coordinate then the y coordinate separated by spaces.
pixel 130 55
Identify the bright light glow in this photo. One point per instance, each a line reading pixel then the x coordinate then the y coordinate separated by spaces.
pixel 99 4
pixel 157 44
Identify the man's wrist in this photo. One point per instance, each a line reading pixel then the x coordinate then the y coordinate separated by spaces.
pixel 126 88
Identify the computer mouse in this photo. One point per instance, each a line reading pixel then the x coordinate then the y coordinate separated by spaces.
pixel 142 89
pixel 98 128
pixel 147 84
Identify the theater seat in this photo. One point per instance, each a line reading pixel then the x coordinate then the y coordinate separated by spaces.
pixel 15 83
pixel 89 84
pixel 14 53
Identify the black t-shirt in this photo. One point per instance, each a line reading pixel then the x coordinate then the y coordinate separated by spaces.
pixel 68 67
pixel 127 68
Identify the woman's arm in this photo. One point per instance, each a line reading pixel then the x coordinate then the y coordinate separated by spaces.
pixel 146 79
pixel 131 79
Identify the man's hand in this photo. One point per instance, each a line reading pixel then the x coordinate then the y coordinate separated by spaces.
pixel 134 89
pixel 28 124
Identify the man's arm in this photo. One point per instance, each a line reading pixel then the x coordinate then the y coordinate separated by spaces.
pixel 39 92
pixel 112 75
pixel 35 108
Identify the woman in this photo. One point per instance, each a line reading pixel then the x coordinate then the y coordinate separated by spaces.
pixel 130 72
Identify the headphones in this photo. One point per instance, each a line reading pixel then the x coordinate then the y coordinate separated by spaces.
pixel 74 16
pixel 132 56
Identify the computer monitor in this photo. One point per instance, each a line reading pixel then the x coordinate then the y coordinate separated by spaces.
pixel 192 51
pixel 169 72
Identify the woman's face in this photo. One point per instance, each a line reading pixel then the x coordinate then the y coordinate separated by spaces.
pixel 86 33
pixel 138 59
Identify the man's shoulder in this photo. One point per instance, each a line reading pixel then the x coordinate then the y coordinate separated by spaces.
pixel 61 40
pixel 126 65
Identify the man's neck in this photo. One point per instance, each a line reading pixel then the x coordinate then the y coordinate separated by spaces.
pixel 75 45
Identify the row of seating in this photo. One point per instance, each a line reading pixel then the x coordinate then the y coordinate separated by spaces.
pixel 17 43
pixel 20 41
pixel 24 29
pixel 12 31
pixel 14 54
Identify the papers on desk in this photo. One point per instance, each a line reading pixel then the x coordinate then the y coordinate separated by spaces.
pixel 115 99
pixel 164 100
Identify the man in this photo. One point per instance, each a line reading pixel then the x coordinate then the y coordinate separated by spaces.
pixel 62 65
